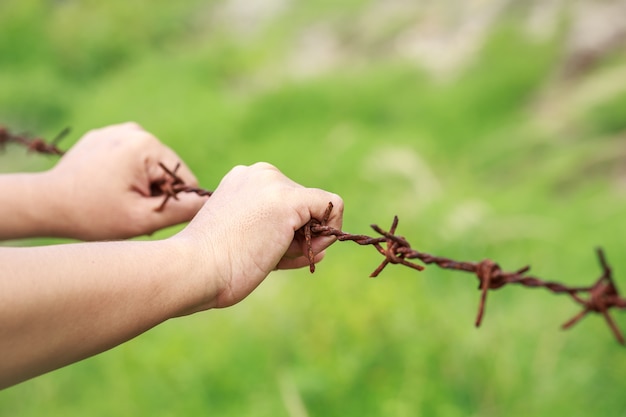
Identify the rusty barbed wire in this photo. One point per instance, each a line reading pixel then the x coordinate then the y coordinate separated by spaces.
pixel 171 185
pixel 602 295
pixel 35 144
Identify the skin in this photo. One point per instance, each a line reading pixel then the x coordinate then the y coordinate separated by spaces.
pixel 100 189
pixel 62 303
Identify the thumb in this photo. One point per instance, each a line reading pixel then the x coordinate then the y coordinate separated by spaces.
pixel 162 213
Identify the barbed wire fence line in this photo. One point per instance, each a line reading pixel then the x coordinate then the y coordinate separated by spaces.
pixel 33 144
pixel 600 297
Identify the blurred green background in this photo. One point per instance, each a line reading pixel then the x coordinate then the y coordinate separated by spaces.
pixel 491 128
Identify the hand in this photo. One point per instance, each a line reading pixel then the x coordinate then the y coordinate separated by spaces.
pixel 103 186
pixel 244 231
pixel 247 229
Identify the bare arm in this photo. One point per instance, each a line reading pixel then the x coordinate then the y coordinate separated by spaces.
pixel 99 190
pixel 60 304
pixel 63 303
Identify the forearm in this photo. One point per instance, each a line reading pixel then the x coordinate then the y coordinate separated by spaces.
pixel 28 206
pixel 64 303
pixel 60 304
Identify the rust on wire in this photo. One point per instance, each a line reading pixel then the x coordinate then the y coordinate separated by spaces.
pixel 171 185
pixel 600 297
pixel 37 145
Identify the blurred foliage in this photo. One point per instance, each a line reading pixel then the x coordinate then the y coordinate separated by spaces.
pixel 500 161
pixel 609 118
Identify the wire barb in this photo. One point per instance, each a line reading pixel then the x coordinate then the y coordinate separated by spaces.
pixel 171 184
pixel 37 145
pixel 602 296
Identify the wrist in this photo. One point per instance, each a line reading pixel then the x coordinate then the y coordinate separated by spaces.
pixel 197 280
pixel 51 209
pixel 29 206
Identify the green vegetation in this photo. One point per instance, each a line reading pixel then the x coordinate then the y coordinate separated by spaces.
pixel 502 161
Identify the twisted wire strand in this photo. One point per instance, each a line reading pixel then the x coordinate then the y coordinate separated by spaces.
pixel 600 297
pixel 37 145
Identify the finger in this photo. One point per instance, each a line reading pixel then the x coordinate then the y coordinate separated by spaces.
pixel 174 165
pixel 117 130
pixel 124 126
pixel 299 262
pixel 321 243
pixel 161 163
pixel 299 247
pixel 313 203
pixel 165 156
pixel 318 205
pixel 160 213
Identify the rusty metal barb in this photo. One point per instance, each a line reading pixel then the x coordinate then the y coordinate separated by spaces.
pixel 602 296
pixel 37 145
pixel 599 298
pixel 170 185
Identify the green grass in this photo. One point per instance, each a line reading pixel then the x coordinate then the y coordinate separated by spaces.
pixel 464 163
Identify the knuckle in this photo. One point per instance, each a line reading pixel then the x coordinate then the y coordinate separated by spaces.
pixel 337 202
pixel 237 169
pixel 131 125
pixel 144 138
pixel 264 166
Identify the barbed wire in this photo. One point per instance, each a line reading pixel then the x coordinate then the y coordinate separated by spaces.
pixel 171 185
pixel 600 297
pixel 33 144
